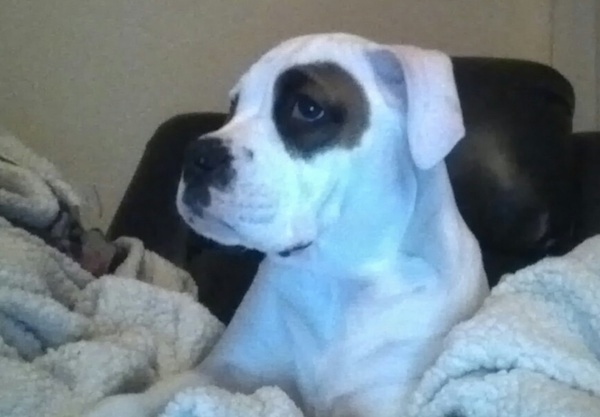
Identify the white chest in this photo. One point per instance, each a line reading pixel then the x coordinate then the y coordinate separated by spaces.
pixel 367 355
pixel 337 347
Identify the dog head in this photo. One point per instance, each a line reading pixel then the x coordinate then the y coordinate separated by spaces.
pixel 312 121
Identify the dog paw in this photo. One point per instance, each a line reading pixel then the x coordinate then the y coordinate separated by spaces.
pixel 125 405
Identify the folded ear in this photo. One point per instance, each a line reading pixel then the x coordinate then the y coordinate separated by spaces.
pixel 422 82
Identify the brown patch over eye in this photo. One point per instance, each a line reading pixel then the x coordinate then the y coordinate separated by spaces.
pixel 319 106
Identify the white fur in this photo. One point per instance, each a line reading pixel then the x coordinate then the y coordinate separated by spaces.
pixel 347 326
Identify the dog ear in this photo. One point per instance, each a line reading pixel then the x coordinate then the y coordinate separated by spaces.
pixel 422 81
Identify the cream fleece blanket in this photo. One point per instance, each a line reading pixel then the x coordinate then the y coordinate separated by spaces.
pixel 68 339
pixel 533 349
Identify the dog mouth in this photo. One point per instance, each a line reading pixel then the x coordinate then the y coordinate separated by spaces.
pixel 250 225
pixel 284 253
pixel 226 227
pixel 294 249
pixel 210 226
pixel 215 220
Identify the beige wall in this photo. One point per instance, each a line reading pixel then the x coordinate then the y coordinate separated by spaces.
pixel 87 82
pixel 575 40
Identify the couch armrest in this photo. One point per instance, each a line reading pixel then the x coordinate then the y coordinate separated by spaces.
pixel 587 168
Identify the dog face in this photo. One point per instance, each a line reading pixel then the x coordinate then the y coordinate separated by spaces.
pixel 273 176
pixel 303 120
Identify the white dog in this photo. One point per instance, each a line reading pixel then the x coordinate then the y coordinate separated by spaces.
pixel 332 163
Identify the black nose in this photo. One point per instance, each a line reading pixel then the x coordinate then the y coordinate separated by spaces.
pixel 207 162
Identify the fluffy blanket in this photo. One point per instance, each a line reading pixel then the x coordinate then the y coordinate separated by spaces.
pixel 533 349
pixel 68 338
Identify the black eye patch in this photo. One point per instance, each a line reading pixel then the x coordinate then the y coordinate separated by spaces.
pixel 317 107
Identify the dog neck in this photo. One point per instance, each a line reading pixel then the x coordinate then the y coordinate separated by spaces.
pixel 394 220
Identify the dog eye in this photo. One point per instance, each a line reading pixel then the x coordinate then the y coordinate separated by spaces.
pixel 307 109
